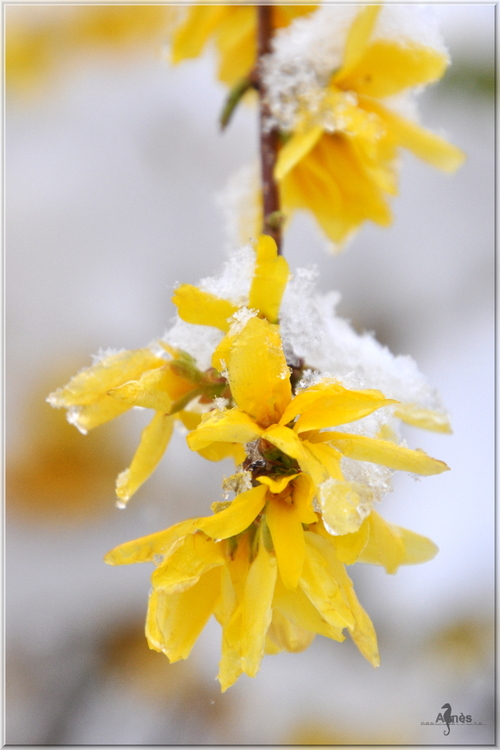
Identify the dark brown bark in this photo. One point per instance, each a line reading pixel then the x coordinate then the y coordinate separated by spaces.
pixel 269 138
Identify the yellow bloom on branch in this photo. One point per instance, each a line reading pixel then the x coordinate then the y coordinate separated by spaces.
pixel 234 29
pixel 340 162
pixel 297 433
pixel 118 382
pixel 269 572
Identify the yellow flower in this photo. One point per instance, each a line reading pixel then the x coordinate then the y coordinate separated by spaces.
pixel 341 166
pixel 234 28
pixel 139 378
pixel 269 280
pixel 270 573
pixel 290 430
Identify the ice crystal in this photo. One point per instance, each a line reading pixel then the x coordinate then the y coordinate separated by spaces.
pixel 73 417
pixel 237 483
pixel 220 403
pixel 240 319
pixel 103 354
pixel 233 283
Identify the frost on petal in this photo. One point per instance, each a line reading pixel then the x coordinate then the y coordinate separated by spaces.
pixel 109 372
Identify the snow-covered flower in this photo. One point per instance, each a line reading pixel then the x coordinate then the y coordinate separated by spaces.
pixel 308 432
pixel 117 382
pixel 338 106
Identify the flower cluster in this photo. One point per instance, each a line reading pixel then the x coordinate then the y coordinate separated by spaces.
pixel 258 368
pixel 313 459
pixel 340 85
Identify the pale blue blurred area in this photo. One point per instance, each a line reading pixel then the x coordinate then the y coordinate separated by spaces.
pixel 110 202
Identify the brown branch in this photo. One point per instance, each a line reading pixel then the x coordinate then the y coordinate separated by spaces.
pixel 269 137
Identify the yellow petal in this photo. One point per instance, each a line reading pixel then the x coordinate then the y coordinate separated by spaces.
pixel 283 15
pixel 418 549
pixel 203 308
pixel 155 389
pixel 190 560
pixel 190 419
pixel 285 526
pixel 362 631
pixel 243 510
pixel 258 373
pixel 270 278
pixel 235 39
pixel 322 589
pixel 257 609
pixel 228 426
pixel 153 634
pixel 309 186
pixel 349 547
pixel 219 451
pixel 424 144
pixel 220 357
pixel 277 485
pixel 387 453
pixel 85 396
pixel 426 419
pixel 150 547
pixel 296 149
pixel 192 35
pixel 391 546
pixel 230 663
pixel 149 391
pixel 340 406
pixel 287 636
pixel 154 440
pixel 327 456
pixel 94 382
pixel 306 398
pixel 358 38
pixel 239 564
pixel 298 609
pixel 303 495
pixel 181 617
pixel 385 546
pixel 388 67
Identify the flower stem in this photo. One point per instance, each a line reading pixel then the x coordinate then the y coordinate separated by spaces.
pixel 269 137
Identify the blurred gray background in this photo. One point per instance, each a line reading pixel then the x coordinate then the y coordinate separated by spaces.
pixel 113 161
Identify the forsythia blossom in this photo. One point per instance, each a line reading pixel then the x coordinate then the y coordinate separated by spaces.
pixel 270 564
pixel 340 84
pixel 339 158
pixel 259 368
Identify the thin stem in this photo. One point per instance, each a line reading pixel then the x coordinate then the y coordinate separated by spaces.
pixel 269 137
